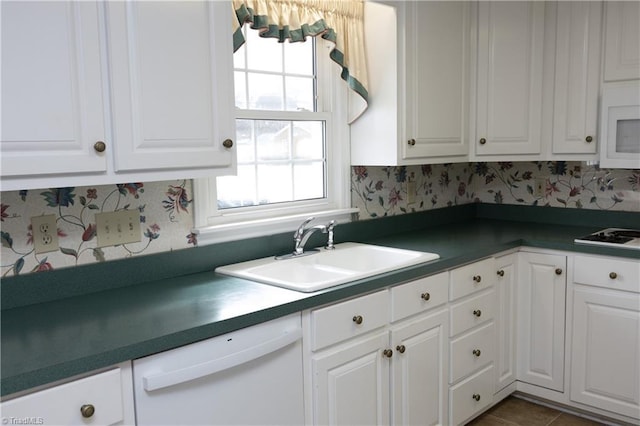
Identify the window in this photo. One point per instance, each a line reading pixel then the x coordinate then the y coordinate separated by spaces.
pixel 280 134
pixel 290 120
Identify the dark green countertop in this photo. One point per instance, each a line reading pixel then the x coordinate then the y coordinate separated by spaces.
pixel 52 339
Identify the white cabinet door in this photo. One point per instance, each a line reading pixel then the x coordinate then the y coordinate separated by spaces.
pixel 505 359
pixel 437 79
pixel 170 84
pixel 622 41
pixel 419 376
pixel 52 100
pixel 577 77
pixel 605 361
pixel 418 84
pixel 152 82
pixel 351 383
pixel 509 78
pixel 541 319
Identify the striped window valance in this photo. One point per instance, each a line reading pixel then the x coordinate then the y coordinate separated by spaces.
pixel 338 21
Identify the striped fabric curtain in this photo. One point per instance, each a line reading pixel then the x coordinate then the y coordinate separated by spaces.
pixel 338 21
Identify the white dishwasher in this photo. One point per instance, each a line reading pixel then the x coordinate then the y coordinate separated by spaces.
pixel 252 376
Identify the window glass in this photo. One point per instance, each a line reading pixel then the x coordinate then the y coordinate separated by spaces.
pixel 281 154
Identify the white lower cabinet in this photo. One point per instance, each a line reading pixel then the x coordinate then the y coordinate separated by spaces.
pixel 471 396
pixel 419 394
pixel 351 383
pixel 104 398
pixel 472 340
pixel 506 297
pixel 541 319
pixel 394 371
pixel 605 367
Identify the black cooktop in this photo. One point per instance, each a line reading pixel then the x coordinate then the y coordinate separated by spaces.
pixel 615 236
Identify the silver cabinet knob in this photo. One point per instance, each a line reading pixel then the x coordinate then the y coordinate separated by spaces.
pixel 358 319
pixel 227 143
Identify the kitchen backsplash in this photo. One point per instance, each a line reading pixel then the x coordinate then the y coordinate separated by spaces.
pixel 384 191
pixel 166 212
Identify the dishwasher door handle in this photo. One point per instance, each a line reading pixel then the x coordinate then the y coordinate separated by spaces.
pixel 175 377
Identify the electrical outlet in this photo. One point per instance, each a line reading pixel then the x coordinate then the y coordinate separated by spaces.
pixel 44 230
pixel 119 227
pixel 411 192
pixel 538 189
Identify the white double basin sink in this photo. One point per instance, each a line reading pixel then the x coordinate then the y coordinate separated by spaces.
pixel 327 268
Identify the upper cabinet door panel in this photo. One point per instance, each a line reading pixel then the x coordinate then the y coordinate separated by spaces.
pixel 52 101
pixel 168 111
pixel 577 78
pixel 509 77
pixel 437 79
pixel 622 41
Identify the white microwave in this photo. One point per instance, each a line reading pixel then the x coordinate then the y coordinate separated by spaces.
pixel 620 125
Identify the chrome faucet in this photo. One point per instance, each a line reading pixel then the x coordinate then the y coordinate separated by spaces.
pixel 302 234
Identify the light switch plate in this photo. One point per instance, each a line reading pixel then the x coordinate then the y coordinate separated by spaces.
pixel 119 227
pixel 44 230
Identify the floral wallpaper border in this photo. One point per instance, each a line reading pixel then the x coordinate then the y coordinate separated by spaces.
pixel 164 212
pixel 167 220
pixel 382 191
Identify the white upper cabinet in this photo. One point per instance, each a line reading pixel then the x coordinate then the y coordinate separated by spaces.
pixel 507 110
pixel 53 109
pixel 418 84
pixel 437 79
pixel 622 41
pixel 577 78
pixel 114 92
pixel 167 111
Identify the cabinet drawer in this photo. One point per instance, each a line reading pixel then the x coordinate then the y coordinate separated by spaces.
pixel 419 295
pixel 472 312
pixel 471 396
pixel 607 272
pixel 471 278
pixel 61 405
pixel 472 351
pixel 348 319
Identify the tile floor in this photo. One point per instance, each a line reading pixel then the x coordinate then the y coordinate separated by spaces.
pixel 513 411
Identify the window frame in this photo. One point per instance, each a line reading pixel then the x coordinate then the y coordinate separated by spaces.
pixel 217 225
